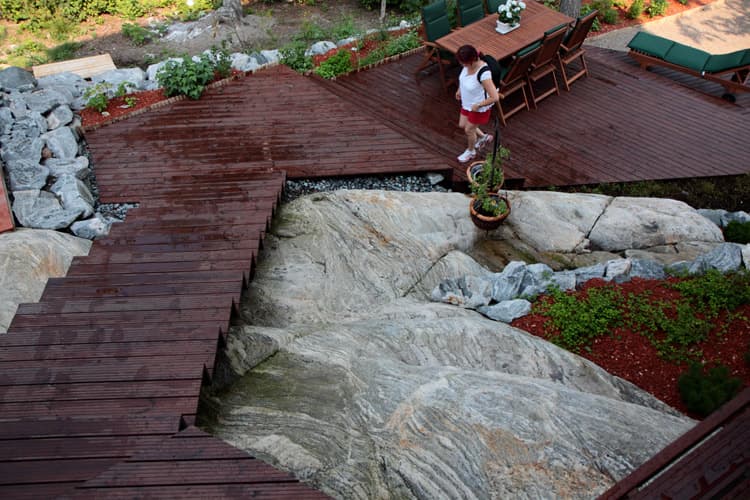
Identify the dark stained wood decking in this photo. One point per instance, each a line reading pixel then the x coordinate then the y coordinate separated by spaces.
pixel 100 379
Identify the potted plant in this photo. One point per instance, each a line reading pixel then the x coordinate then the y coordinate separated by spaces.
pixel 488 209
pixel 509 15
pixel 493 164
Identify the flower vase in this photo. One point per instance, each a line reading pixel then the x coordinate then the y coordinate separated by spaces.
pixel 504 28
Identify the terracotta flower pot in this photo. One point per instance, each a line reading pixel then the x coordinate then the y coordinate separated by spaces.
pixel 487 222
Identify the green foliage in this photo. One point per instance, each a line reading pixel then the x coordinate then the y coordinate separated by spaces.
pixel 338 64
pixel 310 32
pixel 122 89
pixel 705 391
pixel 63 52
pixel 610 16
pixel 657 8
pixel 636 9
pixel 491 174
pixel 130 101
pixel 186 77
pixel 587 8
pixel 136 33
pixel 404 43
pixel 293 55
pixel 607 12
pixel 96 96
pixel 3 33
pixel 221 60
pixel 373 57
pixel 129 9
pixel 343 29
pixel 406 6
pixel 578 320
pixel 737 232
pixel 199 7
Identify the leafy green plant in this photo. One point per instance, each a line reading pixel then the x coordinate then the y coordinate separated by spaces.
pixel 737 232
pixel 96 96
pixel 310 32
pixel 657 8
pixel 131 101
pixel 404 43
pixel 705 391
pixel 373 57
pixel 338 64
pixel 122 88
pixel 636 9
pixel 129 9
pixel 186 76
pixel 293 55
pixel 136 33
pixel 193 10
pixel 343 29
pixel 586 9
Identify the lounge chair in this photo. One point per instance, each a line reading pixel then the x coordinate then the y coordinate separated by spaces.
pixel 436 24
pixel 513 79
pixel 731 70
pixel 571 49
pixel 544 63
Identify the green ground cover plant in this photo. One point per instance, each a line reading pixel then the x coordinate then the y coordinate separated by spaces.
pixel 705 389
pixel 737 232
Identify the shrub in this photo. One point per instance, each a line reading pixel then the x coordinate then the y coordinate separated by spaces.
pixel 192 12
pixel 585 9
pixel 703 392
pixel 737 232
pixel 96 96
pixel 129 9
pixel 136 33
pixel 403 43
pixel 636 9
pixel 338 64
pixel 293 55
pixel 186 77
pixel 657 8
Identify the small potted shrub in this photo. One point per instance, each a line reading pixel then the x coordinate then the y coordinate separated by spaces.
pixel 487 208
pixel 493 164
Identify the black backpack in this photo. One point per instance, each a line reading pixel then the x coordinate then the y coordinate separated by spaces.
pixel 493 66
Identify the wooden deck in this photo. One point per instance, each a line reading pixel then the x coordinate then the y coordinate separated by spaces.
pixel 100 380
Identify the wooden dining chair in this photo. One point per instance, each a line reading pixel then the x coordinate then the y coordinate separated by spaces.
pixel 571 49
pixel 545 64
pixel 469 11
pixel 513 79
pixel 436 24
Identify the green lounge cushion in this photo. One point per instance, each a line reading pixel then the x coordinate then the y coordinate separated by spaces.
pixel 722 62
pixel 652 45
pixel 746 58
pixel 688 57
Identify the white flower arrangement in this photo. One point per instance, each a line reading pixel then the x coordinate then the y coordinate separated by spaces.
pixel 510 11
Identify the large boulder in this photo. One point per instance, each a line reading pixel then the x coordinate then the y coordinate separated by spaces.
pixel 30 256
pixel 345 374
pixel 15 78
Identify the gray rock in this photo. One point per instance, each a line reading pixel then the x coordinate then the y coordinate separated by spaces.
pixel 14 78
pixel 28 127
pixel 96 227
pixel 740 216
pixel 646 222
pixel 564 280
pixel 724 258
pixel 271 56
pixel 134 78
pixel 41 210
pixel 319 48
pixel 77 167
pixel 260 58
pixel 244 62
pixel 745 251
pixel 467 291
pixel 714 215
pixel 74 83
pixel 22 149
pixel 554 222
pixel 583 274
pixel 6 120
pixel 25 175
pixel 346 41
pixel 17 104
pixel 61 115
pixel 454 263
pixel 617 270
pixel 507 310
pixel 62 142
pixel 506 287
pixel 30 257
pixel 44 100
pixel 536 280
pixel 74 195
pixel 646 269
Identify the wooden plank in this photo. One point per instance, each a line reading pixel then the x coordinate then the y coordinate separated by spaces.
pixel 85 67
pixel 6 215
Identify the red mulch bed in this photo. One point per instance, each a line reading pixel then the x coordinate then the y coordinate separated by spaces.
pixel 632 357
pixel 117 108
pixel 673 7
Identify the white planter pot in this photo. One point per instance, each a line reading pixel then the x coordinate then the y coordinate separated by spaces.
pixel 503 28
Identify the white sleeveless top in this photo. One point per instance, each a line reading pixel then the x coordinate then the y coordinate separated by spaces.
pixel 471 90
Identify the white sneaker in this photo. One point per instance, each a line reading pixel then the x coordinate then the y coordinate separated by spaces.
pixel 483 141
pixel 467 155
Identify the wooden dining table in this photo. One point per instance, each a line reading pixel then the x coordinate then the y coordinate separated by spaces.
pixel 535 20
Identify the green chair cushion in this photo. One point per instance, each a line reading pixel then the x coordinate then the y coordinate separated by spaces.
pixel 652 45
pixel 436 22
pixel 746 58
pixel 528 48
pixel 689 57
pixel 721 62
pixel 492 5
pixel 550 31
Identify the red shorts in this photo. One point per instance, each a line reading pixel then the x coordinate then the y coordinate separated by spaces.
pixel 477 117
